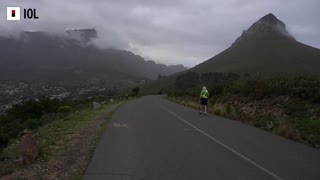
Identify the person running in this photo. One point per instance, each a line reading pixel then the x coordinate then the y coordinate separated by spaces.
pixel 204 95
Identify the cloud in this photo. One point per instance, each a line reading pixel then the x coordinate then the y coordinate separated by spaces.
pixel 168 31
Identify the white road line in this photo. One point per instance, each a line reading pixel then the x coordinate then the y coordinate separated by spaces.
pixel 223 145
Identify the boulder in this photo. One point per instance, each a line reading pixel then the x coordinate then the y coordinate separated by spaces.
pixel 28 150
pixel 96 105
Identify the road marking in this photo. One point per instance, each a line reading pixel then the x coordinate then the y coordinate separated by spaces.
pixel 186 129
pixel 223 145
pixel 120 125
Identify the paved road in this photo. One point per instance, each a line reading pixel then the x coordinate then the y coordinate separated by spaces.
pixel 152 138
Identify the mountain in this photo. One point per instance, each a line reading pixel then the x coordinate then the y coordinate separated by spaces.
pixel 39 56
pixel 83 35
pixel 265 48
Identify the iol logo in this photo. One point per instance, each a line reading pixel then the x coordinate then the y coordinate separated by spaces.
pixel 13 13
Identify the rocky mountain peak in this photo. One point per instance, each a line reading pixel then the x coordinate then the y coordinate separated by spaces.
pixel 269 23
pixel 269 19
pixel 267 27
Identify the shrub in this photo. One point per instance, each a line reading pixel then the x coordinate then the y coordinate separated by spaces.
pixel 219 109
pixel 284 129
pixel 301 94
pixel 217 112
pixel 33 123
pixel 64 109
pixel 261 122
pixel 29 114
pixel 310 128
pixel 34 108
pixel 6 170
pixel 187 80
pixel 135 91
pixel 296 108
pixel 228 108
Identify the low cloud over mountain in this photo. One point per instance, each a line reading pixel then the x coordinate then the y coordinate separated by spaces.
pixel 169 31
pixel 73 58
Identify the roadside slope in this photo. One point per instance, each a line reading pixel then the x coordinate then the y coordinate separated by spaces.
pixel 65 146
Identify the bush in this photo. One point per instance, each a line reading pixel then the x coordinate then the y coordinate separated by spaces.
pixel 219 109
pixel 33 123
pixel 297 98
pixel 310 128
pixel 34 108
pixel 296 108
pixel 287 131
pixel 261 122
pixel 6 170
pixel 187 80
pixel 64 109
pixel 303 87
pixel 29 114
pixel 135 91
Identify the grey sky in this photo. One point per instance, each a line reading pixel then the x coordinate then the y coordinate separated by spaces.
pixel 168 31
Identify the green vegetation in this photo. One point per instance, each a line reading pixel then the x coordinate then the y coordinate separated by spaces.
pixel 157 87
pixel 135 91
pixel 32 114
pixel 287 106
pixel 265 49
pixel 68 133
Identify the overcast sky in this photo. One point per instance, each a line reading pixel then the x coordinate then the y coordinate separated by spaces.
pixel 168 31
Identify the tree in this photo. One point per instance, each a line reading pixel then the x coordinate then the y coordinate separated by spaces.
pixel 135 91
pixel 187 80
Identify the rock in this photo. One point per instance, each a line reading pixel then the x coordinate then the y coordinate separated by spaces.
pixel 28 150
pixel 270 125
pixel 21 133
pixel 287 99
pixel 266 27
pixel 96 105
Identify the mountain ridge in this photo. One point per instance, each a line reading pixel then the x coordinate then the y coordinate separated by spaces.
pixel 39 56
pixel 267 48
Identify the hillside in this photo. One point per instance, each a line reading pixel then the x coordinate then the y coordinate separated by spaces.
pixel 39 56
pixel 65 133
pixel 265 48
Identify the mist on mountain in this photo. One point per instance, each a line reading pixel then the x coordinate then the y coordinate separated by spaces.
pixel 73 58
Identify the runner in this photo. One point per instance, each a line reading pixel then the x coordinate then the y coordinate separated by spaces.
pixel 204 95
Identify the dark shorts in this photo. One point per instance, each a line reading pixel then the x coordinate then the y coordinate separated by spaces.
pixel 204 101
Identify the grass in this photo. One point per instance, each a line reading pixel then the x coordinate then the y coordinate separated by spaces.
pixel 285 130
pixel 216 107
pixel 95 140
pixel 293 120
pixel 54 140
pixel 310 128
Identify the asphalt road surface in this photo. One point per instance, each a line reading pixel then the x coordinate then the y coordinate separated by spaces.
pixel 153 138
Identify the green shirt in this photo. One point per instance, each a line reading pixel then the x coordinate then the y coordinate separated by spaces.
pixel 204 94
